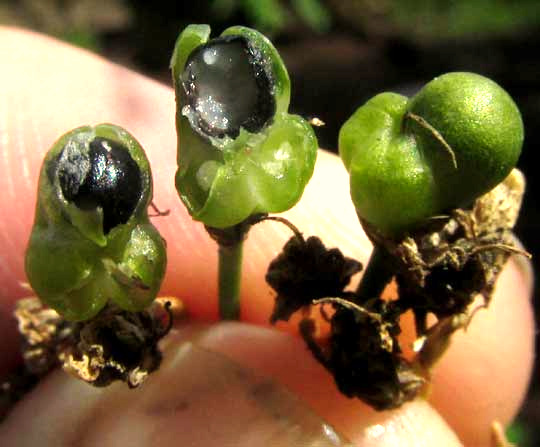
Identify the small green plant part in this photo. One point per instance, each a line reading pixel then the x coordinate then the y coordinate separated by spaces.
pixel 95 261
pixel 92 242
pixel 410 159
pixel 434 185
pixel 240 153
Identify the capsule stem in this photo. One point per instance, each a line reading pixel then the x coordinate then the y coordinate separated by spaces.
pixel 377 275
pixel 230 270
pixel 230 248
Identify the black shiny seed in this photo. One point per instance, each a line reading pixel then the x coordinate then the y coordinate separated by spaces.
pixel 106 176
pixel 228 86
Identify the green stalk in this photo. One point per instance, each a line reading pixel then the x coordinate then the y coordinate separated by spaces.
pixel 229 275
pixel 230 246
pixel 377 275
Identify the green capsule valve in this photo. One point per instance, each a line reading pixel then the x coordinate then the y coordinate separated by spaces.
pixel 240 153
pixel 92 241
pixel 411 159
pixel 239 150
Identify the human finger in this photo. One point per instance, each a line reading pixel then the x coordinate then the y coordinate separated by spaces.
pixel 73 87
pixel 209 391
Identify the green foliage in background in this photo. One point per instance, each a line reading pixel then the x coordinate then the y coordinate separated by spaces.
pixel 79 22
pixel 85 22
pixel 272 16
pixel 438 19
pixel 464 17
pixel 519 434
pixel 422 19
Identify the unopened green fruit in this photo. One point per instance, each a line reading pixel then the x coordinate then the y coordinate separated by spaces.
pixel 411 159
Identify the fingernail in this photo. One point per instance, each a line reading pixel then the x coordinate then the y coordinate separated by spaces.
pixel 229 404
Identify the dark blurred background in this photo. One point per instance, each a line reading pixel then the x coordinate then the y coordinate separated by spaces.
pixel 339 53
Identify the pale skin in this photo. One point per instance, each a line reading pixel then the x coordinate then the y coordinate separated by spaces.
pixel 47 88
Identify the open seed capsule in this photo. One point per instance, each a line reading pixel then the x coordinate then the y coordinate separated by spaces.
pixel 239 151
pixel 92 241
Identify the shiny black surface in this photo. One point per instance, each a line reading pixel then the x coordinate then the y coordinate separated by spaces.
pixel 227 86
pixel 105 176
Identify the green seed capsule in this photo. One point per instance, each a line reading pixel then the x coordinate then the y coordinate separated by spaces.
pixel 239 151
pixel 410 159
pixel 92 241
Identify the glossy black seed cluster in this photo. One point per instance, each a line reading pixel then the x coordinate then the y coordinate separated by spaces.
pixel 103 176
pixel 236 89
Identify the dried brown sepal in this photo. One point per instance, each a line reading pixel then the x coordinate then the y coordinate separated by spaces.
pixel 115 345
pixel 305 271
pixel 44 335
pixel 440 269
pixel 363 354
pixel 445 265
pixel 431 346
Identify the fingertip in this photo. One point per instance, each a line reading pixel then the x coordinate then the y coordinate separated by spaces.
pixel 485 372
pixel 285 359
pixel 416 423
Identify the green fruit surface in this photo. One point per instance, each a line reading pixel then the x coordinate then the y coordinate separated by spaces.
pixel 71 264
pixel 411 159
pixel 223 181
